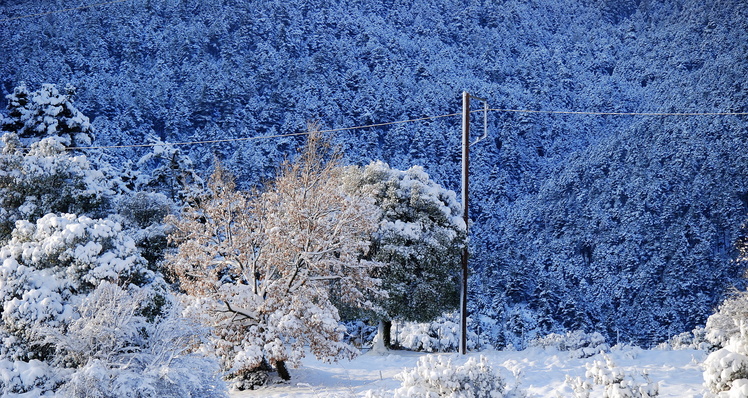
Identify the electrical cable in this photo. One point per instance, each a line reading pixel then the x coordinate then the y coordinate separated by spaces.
pixel 263 137
pixel 617 113
pixel 504 110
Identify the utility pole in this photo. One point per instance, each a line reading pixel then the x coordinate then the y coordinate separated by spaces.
pixel 465 172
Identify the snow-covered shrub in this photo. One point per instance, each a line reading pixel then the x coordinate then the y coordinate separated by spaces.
pixel 107 321
pixel 32 378
pixel 726 370
pixel 739 389
pixel 48 263
pixel 440 335
pixel 123 354
pixel 81 308
pixel 436 376
pixel 359 333
pixel 46 178
pixel 143 214
pixel 578 343
pixel 616 382
pixel 47 112
pixel 580 386
pixel 693 340
pixel 144 209
pixel 727 322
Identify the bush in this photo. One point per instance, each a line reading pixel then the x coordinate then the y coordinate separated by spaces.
pixel 726 370
pixel 616 382
pixel 144 208
pixel 120 354
pixel 723 370
pixel 725 324
pixel 578 343
pixel 359 333
pixel 82 316
pixel 440 335
pixel 437 376
pixel 32 378
pixel 143 214
pixel 693 340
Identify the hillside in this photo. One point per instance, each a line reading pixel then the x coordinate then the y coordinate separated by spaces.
pixel 620 224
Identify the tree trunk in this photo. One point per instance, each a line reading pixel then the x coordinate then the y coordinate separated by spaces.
pixel 280 366
pixel 385 331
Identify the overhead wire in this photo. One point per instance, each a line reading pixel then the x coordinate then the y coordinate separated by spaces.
pixel 593 113
pixel 373 125
pixel 263 137
pixel 62 10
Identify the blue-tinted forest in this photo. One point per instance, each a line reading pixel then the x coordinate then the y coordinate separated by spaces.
pixel 625 225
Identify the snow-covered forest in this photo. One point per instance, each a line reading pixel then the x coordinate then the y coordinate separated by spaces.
pixel 630 226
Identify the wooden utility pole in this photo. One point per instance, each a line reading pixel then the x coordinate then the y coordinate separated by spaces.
pixel 465 170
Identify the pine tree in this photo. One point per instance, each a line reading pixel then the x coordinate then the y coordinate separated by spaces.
pixel 420 239
pixel 166 169
pixel 45 113
pixel 45 178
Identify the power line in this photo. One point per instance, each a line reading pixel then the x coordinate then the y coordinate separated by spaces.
pixel 263 137
pixel 63 10
pixel 504 110
pixel 616 113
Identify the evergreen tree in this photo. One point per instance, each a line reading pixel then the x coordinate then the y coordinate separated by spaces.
pixel 45 178
pixel 420 239
pixel 169 171
pixel 47 113
pixel 39 173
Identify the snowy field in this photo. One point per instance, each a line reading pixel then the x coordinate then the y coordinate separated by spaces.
pixel 537 372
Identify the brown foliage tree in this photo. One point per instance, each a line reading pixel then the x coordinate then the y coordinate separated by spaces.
pixel 263 269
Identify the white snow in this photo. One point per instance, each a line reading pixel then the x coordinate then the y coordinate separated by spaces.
pixel 539 372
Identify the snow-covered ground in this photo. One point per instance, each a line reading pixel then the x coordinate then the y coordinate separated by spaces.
pixel 537 371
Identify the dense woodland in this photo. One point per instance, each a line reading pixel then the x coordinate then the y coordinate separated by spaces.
pixel 623 225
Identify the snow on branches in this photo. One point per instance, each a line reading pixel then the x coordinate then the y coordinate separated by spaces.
pixel 47 263
pixel 726 369
pixel 82 314
pixel 265 268
pixel 420 237
pixel 47 112
pixel 45 178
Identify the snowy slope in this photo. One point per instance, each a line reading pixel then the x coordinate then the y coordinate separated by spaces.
pixel 536 371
